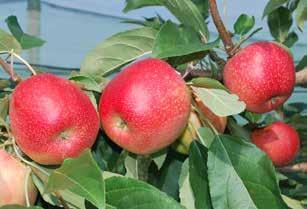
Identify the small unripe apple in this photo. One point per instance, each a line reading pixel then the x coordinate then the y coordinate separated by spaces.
pixel 219 123
pixel 182 144
pixel 279 141
pixel 52 119
pixel 145 107
pixel 262 75
pixel 13 180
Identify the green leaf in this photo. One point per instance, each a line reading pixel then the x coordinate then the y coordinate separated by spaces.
pixel 136 4
pixel 159 157
pixel 246 173
pixel 169 174
pixel 108 158
pixel 4 107
pixel 292 203
pixel 27 41
pixel 206 136
pixel 198 175
pixel 302 64
pixel 126 193
pixel 252 117
pixel 209 83
pixel 186 194
pixel 244 24
pixel 273 5
pixel 291 39
pixel 185 11
pixel 81 176
pixel 237 130
pixel 19 207
pixel 118 50
pixel 280 22
pixel 301 14
pixel 131 165
pixel 219 101
pixel 87 82
pixel 186 41
pixel 8 42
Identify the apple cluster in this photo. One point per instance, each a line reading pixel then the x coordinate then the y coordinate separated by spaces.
pixel 144 108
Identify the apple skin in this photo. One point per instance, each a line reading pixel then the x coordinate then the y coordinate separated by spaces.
pixel 262 75
pixel 279 141
pixel 145 107
pixel 52 119
pixel 12 180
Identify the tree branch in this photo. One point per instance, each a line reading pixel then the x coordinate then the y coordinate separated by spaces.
pixel 8 69
pixel 300 167
pixel 301 78
pixel 226 38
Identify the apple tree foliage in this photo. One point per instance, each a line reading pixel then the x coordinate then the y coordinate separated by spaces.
pixel 220 171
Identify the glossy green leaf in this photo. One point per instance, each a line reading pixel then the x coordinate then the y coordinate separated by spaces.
pixel 186 41
pixel 280 22
pixel 27 41
pixel 118 50
pixel 136 4
pixel 209 83
pixel 206 136
pixel 291 39
pixel 186 194
pixel 169 174
pixel 252 117
pixel 19 207
pixel 87 83
pixel 81 176
pixel 8 42
pixel 127 193
pixel 301 14
pixel 159 157
pixel 185 11
pixel 246 173
pixel 273 5
pixel 198 175
pixel 292 203
pixel 219 101
pixel 236 130
pixel 131 165
pixel 244 24
pixel 302 64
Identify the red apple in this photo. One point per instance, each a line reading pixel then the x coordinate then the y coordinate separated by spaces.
pixel 52 119
pixel 279 141
pixel 145 107
pixel 262 75
pixel 12 180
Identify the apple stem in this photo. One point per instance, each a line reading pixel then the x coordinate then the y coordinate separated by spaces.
pixel 33 165
pixel 26 187
pixel 224 34
pixel 9 69
pixel 144 162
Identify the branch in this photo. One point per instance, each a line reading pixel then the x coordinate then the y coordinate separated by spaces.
pixel 301 78
pixel 8 69
pixel 300 167
pixel 226 38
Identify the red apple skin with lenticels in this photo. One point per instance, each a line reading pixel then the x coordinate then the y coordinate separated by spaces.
pixel 52 119
pixel 279 141
pixel 145 107
pixel 262 75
